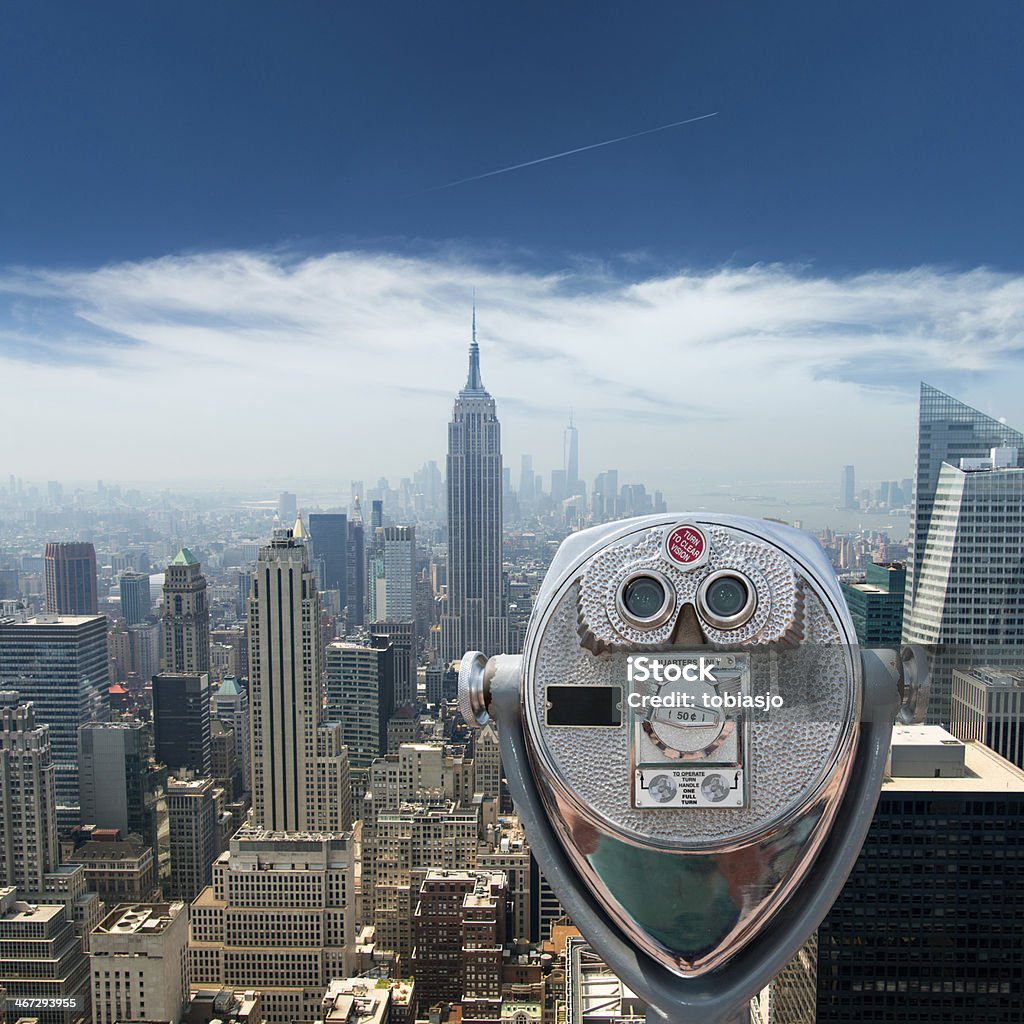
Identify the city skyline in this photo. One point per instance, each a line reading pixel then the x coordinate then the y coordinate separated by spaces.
pixel 827 367
pixel 433 810
pixel 763 262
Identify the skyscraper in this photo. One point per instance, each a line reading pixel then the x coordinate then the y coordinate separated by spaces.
pixel 475 617
pixel 328 532
pixel 948 430
pixel 135 600
pixel 504 848
pixel 70 570
pixel 428 485
pixel 927 927
pixel 360 695
pixel 459 933
pixel 573 484
pixel 356 566
pixel 9 584
pixel 181 721
pixel 192 817
pixel 229 705
pixel 43 958
pixel 279 917
pixel 186 616
pixel 848 488
pixel 988 706
pixel 296 758
pixel 969 602
pixel 526 481
pixel 558 490
pixel 287 507
pixel 144 648
pixel 114 757
pixel 391 574
pixel 59 662
pixel 400 638
pixel 409 841
pixel 876 605
pixel 28 799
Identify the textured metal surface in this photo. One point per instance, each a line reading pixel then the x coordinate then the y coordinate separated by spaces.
pixel 792 748
pixel 778 613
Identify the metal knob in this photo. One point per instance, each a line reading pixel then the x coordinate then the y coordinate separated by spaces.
pixel 473 695
pixel 915 684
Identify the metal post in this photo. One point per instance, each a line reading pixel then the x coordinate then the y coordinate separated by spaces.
pixel 741 1016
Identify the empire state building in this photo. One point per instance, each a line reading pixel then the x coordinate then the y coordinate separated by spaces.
pixel 475 619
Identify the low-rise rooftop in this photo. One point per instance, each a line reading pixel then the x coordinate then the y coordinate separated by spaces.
pixel 139 918
pixel 984 771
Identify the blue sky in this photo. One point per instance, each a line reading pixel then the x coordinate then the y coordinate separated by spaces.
pixel 858 152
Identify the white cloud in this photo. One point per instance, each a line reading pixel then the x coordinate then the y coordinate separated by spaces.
pixel 249 365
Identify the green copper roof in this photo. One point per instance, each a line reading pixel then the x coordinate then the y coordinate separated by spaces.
pixel 184 557
pixel 230 687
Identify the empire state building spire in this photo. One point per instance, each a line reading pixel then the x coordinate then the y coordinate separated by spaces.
pixel 474 385
pixel 475 616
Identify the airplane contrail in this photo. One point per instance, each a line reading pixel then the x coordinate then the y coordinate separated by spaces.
pixel 570 152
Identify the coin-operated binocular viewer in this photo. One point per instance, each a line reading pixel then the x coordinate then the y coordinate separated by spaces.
pixel 695 744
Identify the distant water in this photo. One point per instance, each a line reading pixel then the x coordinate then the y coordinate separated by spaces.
pixel 814 512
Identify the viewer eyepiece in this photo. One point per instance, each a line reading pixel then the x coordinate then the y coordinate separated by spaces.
pixel 646 599
pixel 727 599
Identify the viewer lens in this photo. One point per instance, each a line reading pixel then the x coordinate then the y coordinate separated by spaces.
pixel 726 600
pixel 644 597
pixel 726 597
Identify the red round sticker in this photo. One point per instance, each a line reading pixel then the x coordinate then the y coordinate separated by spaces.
pixel 685 545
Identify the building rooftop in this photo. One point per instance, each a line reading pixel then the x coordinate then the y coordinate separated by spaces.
pixel 921 736
pixel 452 875
pixel 594 992
pixel 355 1001
pixel 999 678
pixel 121 849
pixel 63 870
pixel 189 785
pixel 207 896
pixel 513 1009
pixel 401 990
pixel 15 911
pixel 139 919
pixel 254 835
pixel 58 620
pixel 184 557
pixel 478 899
pixel 868 588
pixel 121 724
pixel 560 934
pixel 984 770
pixel 226 1002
